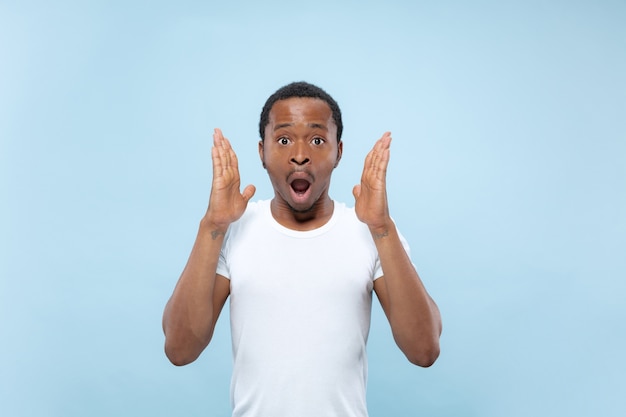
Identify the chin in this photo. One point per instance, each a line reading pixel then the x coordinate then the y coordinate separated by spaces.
pixel 300 208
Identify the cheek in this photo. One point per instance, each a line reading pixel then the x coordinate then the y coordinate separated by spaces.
pixel 332 159
pixel 271 151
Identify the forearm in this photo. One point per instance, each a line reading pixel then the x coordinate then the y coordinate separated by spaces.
pixel 413 315
pixel 190 314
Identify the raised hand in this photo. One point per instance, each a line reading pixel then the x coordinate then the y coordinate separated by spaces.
pixel 371 194
pixel 226 203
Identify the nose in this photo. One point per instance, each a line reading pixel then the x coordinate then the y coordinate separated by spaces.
pixel 300 154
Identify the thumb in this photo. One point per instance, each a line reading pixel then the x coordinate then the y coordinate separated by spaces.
pixel 356 191
pixel 248 192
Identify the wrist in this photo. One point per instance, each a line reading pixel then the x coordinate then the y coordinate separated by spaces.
pixel 382 230
pixel 215 229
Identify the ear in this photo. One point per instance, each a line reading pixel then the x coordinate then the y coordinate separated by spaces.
pixel 261 154
pixel 339 153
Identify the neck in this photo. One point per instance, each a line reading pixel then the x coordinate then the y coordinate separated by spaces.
pixel 302 220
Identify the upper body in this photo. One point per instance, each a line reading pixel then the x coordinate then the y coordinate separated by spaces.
pixel 300 304
pixel 300 147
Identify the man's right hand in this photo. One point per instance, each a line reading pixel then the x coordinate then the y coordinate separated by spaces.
pixel 226 204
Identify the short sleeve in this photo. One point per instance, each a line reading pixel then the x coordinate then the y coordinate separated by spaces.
pixel 222 266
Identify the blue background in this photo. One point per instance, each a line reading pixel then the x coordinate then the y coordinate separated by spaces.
pixel 507 177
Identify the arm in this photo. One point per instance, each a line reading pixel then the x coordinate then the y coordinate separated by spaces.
pixel 413 315
pixel 192 311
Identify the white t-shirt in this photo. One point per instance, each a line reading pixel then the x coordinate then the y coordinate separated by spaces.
pixel 300 308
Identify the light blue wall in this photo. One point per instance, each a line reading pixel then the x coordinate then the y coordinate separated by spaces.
pixel 507 178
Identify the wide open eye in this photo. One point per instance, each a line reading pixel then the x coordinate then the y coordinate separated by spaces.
pixel 317 140
pixel 283 140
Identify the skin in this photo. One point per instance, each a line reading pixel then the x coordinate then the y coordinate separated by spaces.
pixel 300 152
pixel 300 144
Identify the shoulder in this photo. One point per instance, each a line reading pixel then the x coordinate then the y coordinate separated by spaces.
pixel 347 218
pixel 254 214
pixel 349 222
pixel 254 211
pixel 345 214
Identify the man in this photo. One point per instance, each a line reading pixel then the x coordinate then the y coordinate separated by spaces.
pixel 299 270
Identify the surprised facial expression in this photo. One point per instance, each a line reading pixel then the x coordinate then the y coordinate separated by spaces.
pixel 300 152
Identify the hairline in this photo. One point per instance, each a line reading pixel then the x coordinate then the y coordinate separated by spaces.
pixel 300 89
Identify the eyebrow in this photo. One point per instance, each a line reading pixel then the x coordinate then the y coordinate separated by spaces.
pixel 311 125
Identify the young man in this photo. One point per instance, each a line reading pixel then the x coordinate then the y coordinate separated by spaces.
pixel 299 270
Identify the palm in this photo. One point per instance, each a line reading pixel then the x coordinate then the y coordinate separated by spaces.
pixel 227 203
pixel 371 194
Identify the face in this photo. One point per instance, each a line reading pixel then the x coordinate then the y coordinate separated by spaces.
pixel 300 152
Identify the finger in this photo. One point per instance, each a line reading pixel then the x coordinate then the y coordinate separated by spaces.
pixel 382 162
pixel 248 192
pixel 379 148
pixel 382 153
pixel 376 158
pixel 386 139
pixel 383 144
pixel 218 140
pixel 218 137
pixel 223 169
pixel 225 151
pixel 217 162
pixel 375 169
pixel 356 191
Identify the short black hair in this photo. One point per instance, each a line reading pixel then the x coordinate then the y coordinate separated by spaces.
pixel 300 89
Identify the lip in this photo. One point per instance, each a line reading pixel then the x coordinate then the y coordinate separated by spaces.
pixel 300 175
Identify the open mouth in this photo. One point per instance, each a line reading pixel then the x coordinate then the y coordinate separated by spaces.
pixel 300 186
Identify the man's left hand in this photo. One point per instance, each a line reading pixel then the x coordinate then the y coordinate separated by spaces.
pixel 371 194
